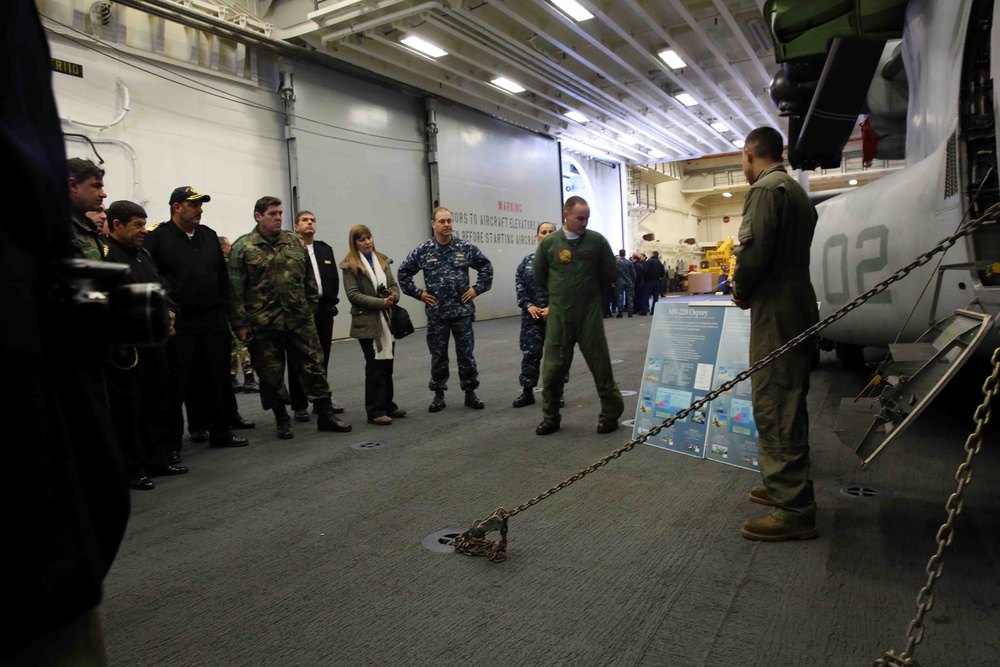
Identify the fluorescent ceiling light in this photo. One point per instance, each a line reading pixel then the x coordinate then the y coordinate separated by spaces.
pixel 719 127
pixel 727 194
pixel 577 116
pixel 508 85
pixel 672 59
pixel 739 143
pixel 853 181
pixel 656 154
pixel 685 99
pixel 628 139
pixel 423 46
pixel 574 9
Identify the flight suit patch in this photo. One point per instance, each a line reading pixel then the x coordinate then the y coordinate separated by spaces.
pixel 565 256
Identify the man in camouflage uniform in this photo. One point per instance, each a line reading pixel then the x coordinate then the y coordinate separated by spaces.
pixel 534 303
pixel 772 280
pixel 625 285
pixel 576 265
pixel 274 296
pixel 86 193
pixel 445 261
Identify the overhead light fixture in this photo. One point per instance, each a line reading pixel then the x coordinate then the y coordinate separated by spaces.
pixel 719 127
pixel 672 59
pixel 423 46
pixel 739 143
pixel 685 99
pixel 508 85
pixel 577 116
pixel 727 195
pixel 853 181
pixel 574 9
pixel 656 154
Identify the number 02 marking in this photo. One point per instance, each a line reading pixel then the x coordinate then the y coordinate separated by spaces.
pixel 835 253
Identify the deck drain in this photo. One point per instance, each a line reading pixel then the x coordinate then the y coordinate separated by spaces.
pixel 862 492
pixel 628 392
pixel 628 422
pixel 370 444
pixel 618 361
pixel 442 541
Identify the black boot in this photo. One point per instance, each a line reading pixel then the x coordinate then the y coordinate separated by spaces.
pixel 438 404
pixel 284 423
pixel 326 419
pixel 472 401
pixel 527 397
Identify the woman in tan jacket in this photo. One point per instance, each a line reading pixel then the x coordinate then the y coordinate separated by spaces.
pixel 372 290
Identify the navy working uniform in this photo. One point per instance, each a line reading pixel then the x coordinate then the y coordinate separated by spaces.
pixel 446 276
pixel 625 286
pixel 772 275
pixel 532 340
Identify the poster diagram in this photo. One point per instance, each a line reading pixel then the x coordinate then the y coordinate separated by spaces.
pixel 692 350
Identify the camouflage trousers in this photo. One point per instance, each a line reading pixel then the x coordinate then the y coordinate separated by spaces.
pixel 438 332
pixel 269 349
pixel 626 296
pixel 240 356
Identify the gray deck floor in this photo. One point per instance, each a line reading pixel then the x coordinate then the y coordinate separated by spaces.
pixel 308 552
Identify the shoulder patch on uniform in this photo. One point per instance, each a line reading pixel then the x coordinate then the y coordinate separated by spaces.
pixel 153 226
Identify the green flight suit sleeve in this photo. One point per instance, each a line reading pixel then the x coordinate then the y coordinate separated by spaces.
pixel 608 266
pixel 757 241
pixel 540 265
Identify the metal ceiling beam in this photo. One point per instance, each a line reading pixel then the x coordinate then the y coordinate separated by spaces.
pixel 730 20
pixel 660 65
pixel 737 78
pixel 699 123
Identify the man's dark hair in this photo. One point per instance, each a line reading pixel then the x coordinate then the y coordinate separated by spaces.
pixel 123 211
pixel 299 216
pixel 81 170
pixel 621 253
pixel 265 203
pixel 766 143
pixel 574 201
pixel 656 254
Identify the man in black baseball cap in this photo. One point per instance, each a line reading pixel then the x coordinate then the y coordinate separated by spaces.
pixel 191 264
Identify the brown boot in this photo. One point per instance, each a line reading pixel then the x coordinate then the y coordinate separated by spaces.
pixel 771 529
pixel 758 494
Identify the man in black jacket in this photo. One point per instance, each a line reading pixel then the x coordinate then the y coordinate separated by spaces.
pixel 190 261
pixel 328 281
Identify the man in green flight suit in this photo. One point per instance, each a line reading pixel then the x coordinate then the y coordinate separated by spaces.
pixel 274 295
pixel 86 193
pixel 576 266
pixel 772 280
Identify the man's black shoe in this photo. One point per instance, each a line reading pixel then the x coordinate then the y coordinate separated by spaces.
pixel 200 435
pixel 284 429
pixel 547 426
pixel 438 404
pixel 302 415
pixel 472 401
pixel 142 484
pixel 239 423
pixel 630 314
pixel 527 397
pixel 619 315
pixel 228 441
pixel 237 387
pixel 605 425
pixel 327 420
pixel 167 471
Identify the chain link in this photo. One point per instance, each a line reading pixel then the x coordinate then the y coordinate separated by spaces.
pixel 474 543
pixel 946 533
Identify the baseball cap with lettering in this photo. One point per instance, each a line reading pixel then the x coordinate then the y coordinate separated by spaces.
pixel 187 193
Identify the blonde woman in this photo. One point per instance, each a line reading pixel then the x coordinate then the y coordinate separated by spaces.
pixel 372 290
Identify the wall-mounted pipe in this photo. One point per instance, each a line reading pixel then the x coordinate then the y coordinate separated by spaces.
pixel 126 106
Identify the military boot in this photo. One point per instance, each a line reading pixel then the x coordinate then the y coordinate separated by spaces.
pixel 472 401
pixel 250 385
pixel 438 404
pixel 326 419
pixel 527 397
pixel 284 423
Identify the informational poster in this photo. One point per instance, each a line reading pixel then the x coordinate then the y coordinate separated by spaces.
pixel 693 349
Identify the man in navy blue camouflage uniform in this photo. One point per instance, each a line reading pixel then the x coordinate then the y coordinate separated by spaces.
pixel 448 302
pixel 625 285
pixel 534 302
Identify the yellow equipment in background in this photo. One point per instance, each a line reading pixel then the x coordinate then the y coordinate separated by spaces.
pixel 719 261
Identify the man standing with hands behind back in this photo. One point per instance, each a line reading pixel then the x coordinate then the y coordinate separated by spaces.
pixel 772 280
pixel 324 267
pixel 445 261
